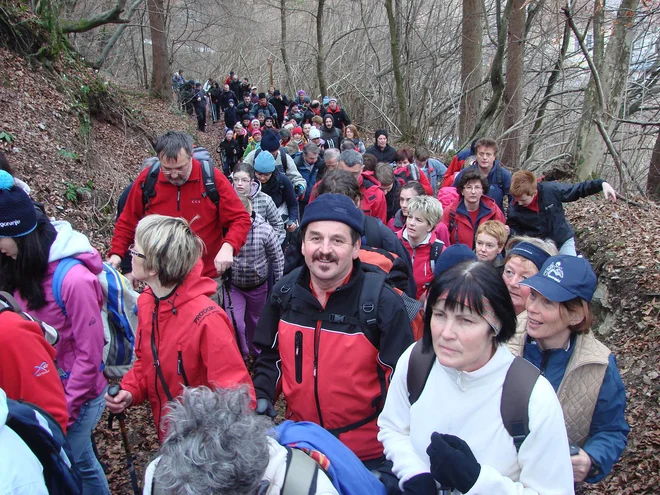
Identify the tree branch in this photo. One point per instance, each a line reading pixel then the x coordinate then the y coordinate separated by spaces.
pixel 112 16
pixel 111 42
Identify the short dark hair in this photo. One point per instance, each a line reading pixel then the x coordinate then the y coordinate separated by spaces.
pixel 370 161
pixel 385 174
pixel 403 154
pixel 340 182
pixel 469 283
pixel 486 143
pixel 244 167
pixel 422 154
pixel 415 186
pixel 172 142
pixel 469 175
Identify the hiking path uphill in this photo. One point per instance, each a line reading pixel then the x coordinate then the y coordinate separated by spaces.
pixel 78 140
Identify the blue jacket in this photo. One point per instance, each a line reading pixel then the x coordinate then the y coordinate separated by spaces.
pixel 609 431
pixel 499 181
pixel 550 222
pixel 434 171
pixel 345 470
pixel 311 176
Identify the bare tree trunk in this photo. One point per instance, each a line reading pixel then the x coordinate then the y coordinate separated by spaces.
pixel 589 145
pixel 512 97
pixel 404 119
pixel 653 179
pixel 320 51
pixel 471 56
pixel 160 68
pixel 145 70
pixel 120 30
pixel 290 89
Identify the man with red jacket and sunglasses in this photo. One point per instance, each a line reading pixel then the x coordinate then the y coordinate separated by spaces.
pixel 180 192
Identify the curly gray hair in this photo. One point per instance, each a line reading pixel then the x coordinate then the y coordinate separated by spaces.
pixel 214 444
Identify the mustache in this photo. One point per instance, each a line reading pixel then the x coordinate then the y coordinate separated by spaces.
pixel 325 257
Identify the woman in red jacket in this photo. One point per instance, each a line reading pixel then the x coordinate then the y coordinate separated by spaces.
pixel 418 236
pixel 470 210
pixel 183 338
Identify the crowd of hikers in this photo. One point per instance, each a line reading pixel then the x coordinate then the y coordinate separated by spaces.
pixel 429 326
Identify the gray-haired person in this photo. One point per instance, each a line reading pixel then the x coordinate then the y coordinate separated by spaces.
pixel 217 445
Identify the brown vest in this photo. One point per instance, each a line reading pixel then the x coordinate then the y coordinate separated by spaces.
pixel 579 389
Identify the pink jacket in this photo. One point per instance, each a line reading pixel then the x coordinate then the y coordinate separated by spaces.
pixel 80 348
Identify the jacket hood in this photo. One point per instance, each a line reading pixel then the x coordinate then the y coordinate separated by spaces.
pixel 72 244
pixel 4 409
pixel 255 188
pixel 194 285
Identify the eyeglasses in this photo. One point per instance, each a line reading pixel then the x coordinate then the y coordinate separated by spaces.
pixel 242 181
pixel 473 188
pixel 133 252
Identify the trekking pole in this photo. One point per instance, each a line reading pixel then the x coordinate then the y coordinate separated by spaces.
pixel 226 285
pixel 113 390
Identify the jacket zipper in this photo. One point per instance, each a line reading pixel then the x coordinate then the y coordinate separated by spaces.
pixel 317 338
pixel 178 198
pixel 545 357
pixel 298 356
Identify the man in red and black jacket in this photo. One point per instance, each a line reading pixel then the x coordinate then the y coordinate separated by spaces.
pixel 339 115
pixel 373 198
pixel 329 337
pixel 180 192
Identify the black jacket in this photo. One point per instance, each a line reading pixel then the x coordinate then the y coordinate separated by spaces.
pixel 280 107
pixel 550 222
pixel 384 155
pixel 225 96
pixel 243 110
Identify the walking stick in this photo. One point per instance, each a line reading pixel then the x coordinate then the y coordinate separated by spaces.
pixel 113 390
pixel 226 285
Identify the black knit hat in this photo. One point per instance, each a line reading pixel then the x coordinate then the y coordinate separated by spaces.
pixel 262 95
pixel 17 214
pixel 334 207
pixel 270 141
pixel 381 132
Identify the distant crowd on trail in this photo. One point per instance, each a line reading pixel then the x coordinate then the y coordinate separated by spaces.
pixel 428 325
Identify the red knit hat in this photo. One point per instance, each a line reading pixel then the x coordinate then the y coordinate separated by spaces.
pixel 297 130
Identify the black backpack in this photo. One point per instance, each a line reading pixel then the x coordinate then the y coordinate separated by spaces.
pixel 517 388
pixel 45 438
pixel 208 177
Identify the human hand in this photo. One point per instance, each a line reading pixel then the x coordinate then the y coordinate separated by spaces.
pixel 264 407
pixel 421 484
pixel 291 226
pixel 581 465
pixel 609 192
pixel 224 259
pixel 119 402
pixel 114 260
pixel 452 462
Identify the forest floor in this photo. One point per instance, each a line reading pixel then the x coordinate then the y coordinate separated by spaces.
pixel 78 163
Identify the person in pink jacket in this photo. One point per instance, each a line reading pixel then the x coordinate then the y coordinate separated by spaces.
pixel 31 247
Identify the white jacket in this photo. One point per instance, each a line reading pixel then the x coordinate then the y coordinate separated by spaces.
pixel 467 404
pixel 21 472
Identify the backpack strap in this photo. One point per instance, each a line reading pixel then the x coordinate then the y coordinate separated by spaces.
pixel 301 473
pixel 516 391
pixel 149 185
pixel 369 297
pixel 283 156
pixel 419 369
pixel 452 225
pixel 8 303
pixel 61 270
pixel 436 250
pixel 208 177
pixel 372 232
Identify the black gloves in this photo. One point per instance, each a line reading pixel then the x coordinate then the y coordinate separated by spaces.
pixel 422 484
pixel 452 462
pixel 265 407
pixel 299 191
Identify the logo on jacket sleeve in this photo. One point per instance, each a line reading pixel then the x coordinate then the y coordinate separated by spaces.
pixel 41 369
pixel 554 271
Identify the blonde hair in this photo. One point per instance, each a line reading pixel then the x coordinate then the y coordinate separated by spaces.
pixel 547 245
pixel 428 206
pixel 170 247
pixel 495 229
pixel 247 203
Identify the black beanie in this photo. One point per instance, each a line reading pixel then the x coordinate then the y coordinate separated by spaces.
pixel 270 141
pixel 17 214
pixel 381 132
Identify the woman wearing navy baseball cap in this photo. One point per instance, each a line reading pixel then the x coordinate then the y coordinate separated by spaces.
pixel 582 370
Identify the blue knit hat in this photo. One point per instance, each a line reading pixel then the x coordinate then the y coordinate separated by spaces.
pixel 264 163
pixel 17 214
pixel 336 208
pixel 452 256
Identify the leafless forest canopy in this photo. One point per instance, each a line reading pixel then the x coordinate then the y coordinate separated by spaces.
pixel 571 87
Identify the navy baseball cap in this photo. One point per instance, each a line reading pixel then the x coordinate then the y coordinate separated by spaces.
pixel 563 278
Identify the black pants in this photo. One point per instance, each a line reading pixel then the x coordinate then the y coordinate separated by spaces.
pixel 382 470
pixel 201 119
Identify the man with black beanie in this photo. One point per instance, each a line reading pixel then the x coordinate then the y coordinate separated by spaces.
pixel 381 148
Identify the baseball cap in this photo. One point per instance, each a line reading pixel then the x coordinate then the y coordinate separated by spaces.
pixel 563 278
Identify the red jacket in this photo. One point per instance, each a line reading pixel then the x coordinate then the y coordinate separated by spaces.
pixel 458 220
pixel 373 202
pixel 423 265
pixel 187 201
pixel 192 336
pixel 27 367
pixel 411 172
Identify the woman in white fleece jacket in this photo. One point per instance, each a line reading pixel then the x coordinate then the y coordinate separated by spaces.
pixel 454 434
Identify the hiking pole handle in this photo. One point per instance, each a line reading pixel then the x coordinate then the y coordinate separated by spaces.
pixel 113 390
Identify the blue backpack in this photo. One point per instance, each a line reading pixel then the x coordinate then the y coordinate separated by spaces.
pixel 345 470
pixel 44 436
pixel 119 315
